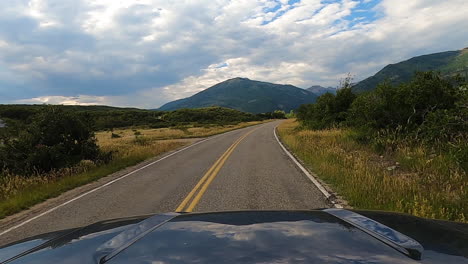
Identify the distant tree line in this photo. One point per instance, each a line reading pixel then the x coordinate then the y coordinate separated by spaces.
pixel 430 110
pixel 208 115
pixel 108 118
pixel 277 114
pixel 102 117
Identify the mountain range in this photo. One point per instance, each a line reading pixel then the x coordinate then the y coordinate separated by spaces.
pixel 319 90
pixel 248 96
pixel 259 97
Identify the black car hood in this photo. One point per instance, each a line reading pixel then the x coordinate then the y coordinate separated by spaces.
pixel 246 237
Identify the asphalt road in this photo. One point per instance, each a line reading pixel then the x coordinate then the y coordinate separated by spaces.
pixel 238 170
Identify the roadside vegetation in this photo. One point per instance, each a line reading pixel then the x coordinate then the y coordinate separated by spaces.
pixel 54 149
pixel 400 148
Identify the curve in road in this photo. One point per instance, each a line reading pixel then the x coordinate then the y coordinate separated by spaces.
pixel 245 169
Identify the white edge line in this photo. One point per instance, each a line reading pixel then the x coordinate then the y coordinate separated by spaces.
pixel 305 171
pixel 109 183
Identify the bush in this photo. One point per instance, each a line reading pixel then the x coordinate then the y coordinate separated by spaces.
pixel 291 114
pixel 329 110
pixel 429 110
pixel 407 105
pixel 54 139
pixel 279 114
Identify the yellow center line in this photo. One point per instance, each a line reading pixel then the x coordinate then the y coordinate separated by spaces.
pixel 202 180
pixel 209 177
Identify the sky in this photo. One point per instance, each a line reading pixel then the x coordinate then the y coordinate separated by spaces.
pixel 144 53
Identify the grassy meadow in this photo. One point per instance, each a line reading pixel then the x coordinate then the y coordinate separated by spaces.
pixel 128 147
pixel 126 135
pixel 411 180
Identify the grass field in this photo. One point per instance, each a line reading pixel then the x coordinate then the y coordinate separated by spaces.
pixel 409 180
pixel 128 135
pixel 129 148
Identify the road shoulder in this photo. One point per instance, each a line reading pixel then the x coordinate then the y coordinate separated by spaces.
pixel 333 197
pixel 15 219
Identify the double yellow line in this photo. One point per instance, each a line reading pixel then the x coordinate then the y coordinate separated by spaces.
pixel 209 176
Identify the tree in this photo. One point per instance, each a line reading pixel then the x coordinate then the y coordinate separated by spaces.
pixel 406 105
pixel 329 110
pixel 278 114
pixel 291 114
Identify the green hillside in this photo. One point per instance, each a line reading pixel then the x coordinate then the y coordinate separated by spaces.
pixel 448 63
pixel 246 95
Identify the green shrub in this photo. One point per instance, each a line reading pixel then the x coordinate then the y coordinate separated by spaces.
pixel 54 139
pixel 406 105
pixel 291 114
pixel 428 110
pixel 329 110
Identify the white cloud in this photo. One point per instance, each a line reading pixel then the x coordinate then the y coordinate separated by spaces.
pixel 146 52
pixel 83 100
pixel 64 100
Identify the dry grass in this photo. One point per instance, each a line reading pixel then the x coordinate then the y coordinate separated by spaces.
pixel 128 135
pixel 409 180
pixel 145 143
pixel 18 193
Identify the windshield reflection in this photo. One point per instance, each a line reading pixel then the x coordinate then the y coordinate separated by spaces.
pixel 304 238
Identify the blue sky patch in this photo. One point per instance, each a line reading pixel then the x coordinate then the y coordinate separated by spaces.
pixel 364 12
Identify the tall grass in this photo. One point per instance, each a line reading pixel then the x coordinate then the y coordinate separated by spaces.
pixel 19 192
pixel 129 148
pixel 412 180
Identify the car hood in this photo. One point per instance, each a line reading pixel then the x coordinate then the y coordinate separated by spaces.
pixel 318 236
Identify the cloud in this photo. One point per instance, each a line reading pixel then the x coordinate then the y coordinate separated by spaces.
pixel 146 52
pixel 64 100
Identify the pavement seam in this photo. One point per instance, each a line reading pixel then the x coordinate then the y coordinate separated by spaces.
pixel 312 178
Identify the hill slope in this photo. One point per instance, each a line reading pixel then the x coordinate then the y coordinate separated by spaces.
pixel 246 95
pixel 448 63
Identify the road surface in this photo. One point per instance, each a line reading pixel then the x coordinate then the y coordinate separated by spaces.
pixel 241 169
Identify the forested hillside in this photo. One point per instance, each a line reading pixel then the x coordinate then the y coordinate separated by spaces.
pixel 448 63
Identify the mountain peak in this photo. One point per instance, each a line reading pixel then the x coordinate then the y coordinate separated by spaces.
pixel 238 79
pixel 246 95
